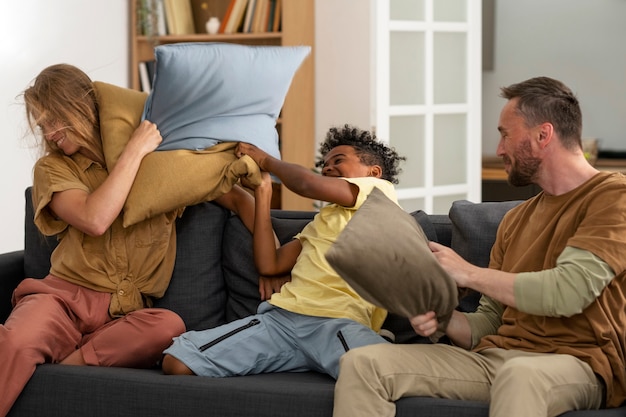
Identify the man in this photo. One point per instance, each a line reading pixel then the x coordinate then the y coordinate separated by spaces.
pixel 548 336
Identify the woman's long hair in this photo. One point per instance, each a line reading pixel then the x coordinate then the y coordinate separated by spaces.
pixel 63 93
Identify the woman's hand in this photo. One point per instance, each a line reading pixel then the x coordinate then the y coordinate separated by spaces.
pixel 145 139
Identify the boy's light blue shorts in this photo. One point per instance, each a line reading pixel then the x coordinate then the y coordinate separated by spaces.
pixel 273 340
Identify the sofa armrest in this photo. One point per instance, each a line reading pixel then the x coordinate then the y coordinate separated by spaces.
pixel 11 274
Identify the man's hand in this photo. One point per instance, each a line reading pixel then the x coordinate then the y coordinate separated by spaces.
pixel 458 268
pixel 494 283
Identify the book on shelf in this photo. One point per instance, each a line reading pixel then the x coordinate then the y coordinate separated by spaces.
pixel 229 11
pixel 144 78
pixel 179 17
pixel 259 12
pixel 251 16
pixel 267 16
pixel 270 16
pixel 160 18
pixel 151 67
pixel 277 16
pixel 235 20
pixel 247 23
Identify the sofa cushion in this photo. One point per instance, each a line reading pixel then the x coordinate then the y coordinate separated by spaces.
pixel 474 227
pixel 98 391
pixel 197 291
pixel 240 274
pixel 204 93
pixel 67 391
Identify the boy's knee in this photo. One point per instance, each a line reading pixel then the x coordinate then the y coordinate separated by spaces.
pixel 172 366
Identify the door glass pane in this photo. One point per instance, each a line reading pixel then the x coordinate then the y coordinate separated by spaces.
pixel 406 10
pixel 406 63
pixel 450 68
pixel 413 204
pixel 450 151
pixel 450 10
pixel 442 204
pixel 406 135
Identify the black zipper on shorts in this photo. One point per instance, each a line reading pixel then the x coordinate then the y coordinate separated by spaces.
pixel 343 341
pixel 233 332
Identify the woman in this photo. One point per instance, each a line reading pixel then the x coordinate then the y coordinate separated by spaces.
pixel 94 307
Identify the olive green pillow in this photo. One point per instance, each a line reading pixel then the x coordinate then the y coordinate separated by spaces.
pixel 167 180
pixel 120 112
pixel 383 254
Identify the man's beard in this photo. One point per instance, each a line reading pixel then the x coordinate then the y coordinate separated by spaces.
pixel 525 167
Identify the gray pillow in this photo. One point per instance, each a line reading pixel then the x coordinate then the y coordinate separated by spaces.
pixel 383 254
pixel 240 275
pixel 197 290
pixel 474 227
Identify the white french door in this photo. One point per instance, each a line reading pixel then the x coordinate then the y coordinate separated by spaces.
pixel 427 90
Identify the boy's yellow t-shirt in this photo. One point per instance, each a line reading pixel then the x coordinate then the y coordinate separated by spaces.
pixel 315 288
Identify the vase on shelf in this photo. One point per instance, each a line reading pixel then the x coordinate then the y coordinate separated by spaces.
pixel 212 25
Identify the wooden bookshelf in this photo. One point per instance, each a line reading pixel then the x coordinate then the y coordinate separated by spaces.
pixel 296 124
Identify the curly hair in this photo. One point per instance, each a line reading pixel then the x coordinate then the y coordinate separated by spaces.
pixel 369 150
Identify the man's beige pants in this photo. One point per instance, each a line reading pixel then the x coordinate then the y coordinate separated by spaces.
pixel 515 383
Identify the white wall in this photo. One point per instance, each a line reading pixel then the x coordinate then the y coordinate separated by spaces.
pixel 92 35
pixel 580 42
pixel 342 65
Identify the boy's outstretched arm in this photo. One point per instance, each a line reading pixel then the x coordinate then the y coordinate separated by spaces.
pixel 270 260
pixel 240 202
pixel 301 180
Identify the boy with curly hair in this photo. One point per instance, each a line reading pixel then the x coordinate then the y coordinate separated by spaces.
pixel 316 317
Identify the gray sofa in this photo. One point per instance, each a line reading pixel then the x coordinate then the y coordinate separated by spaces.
pixel 214 282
